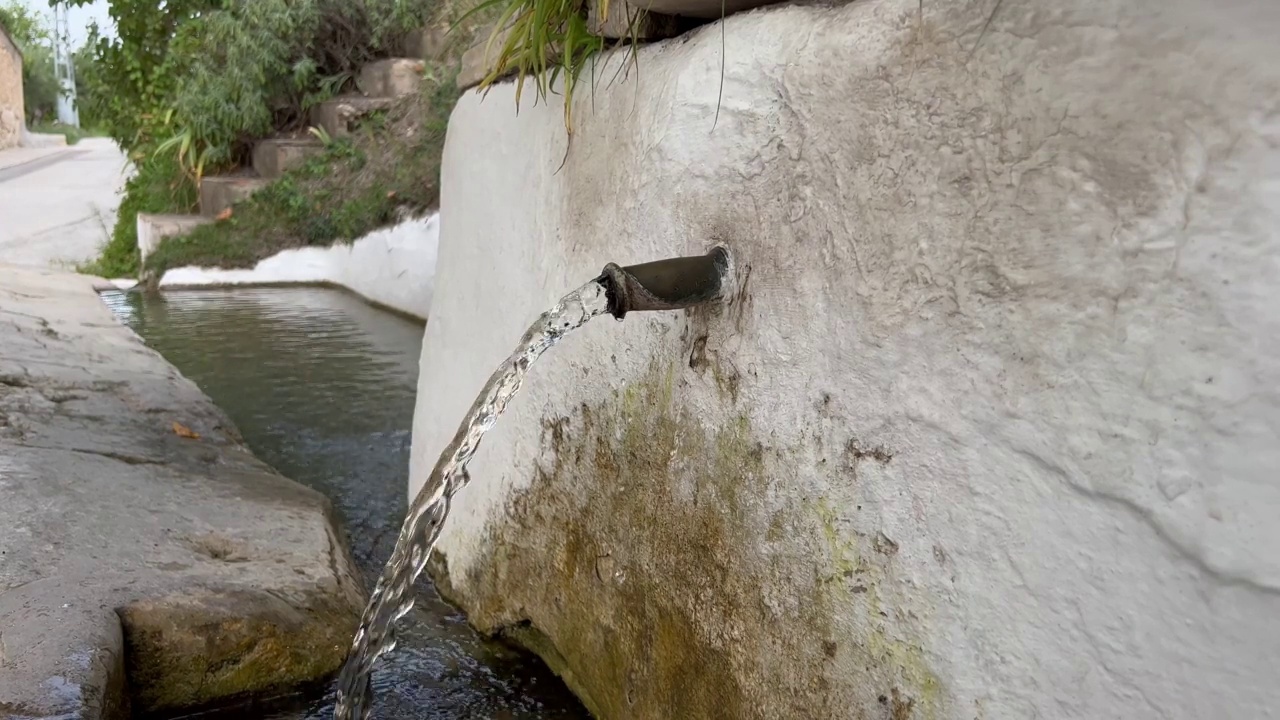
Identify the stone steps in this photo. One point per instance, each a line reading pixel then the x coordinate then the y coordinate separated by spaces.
pixel 380 83
pixel 154 228
pixel 219 192
pixel 337 117
pixel 426 43
pixel 392 77
pixel 274 157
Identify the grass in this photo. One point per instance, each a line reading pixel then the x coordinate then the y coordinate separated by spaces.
pixel 150 190
pixel 73 134
pixel 388 169
pixel 545 39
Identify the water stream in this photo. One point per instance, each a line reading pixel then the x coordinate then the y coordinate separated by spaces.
pixel 322 387
pixel 394 596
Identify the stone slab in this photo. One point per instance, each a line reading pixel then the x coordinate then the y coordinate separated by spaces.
pixel 338 116
pixel 702 9
pixel 152 229
pixel 391 77
pixel 217 193
pixel 131 542
pixel 426 43
pixel 628 21
pixel 274 157
pixel 480 57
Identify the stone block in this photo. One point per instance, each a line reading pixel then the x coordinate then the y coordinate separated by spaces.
pixel 704 9
pixel 624 20
pixel 154 228
pixel 480 57
pixel 393 77
pixel 338 116
pixel 219 193
pixel 426 43
pixel 275 156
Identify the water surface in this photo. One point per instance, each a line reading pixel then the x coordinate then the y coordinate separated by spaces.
pixel 322 387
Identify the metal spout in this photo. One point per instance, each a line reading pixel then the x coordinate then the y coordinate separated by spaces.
pixel 665 284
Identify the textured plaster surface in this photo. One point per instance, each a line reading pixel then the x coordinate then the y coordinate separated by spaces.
pixel 991 426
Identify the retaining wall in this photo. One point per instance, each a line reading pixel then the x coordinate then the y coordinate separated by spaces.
pixel 990 427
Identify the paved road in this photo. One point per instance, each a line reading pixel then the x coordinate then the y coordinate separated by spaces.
pixel 57 207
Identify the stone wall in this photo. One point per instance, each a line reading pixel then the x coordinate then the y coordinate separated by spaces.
pixel 11 106
pixel 990 428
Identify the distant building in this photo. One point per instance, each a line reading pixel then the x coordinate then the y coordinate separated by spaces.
pixel 11 108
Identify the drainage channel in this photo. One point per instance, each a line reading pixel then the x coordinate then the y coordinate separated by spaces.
pixel 322 387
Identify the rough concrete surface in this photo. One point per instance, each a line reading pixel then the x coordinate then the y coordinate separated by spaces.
pixel 991 428
pixel 132 551
pixel 391 77
pixel 217 193
pixel 152 229
pixel 274 157
pixel 57 206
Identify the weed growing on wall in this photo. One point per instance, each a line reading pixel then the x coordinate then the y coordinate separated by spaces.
pixel 545 41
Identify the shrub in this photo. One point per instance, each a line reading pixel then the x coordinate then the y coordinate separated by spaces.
pixel 186 85
pixel 225 72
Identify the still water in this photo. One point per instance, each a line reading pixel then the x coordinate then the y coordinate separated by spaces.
pixel 322 387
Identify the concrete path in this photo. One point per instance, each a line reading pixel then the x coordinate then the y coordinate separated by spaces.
pixel 58 205
pixel 140 541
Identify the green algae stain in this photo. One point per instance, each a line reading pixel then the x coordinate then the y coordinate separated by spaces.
pixel 854 581
pixel 647 535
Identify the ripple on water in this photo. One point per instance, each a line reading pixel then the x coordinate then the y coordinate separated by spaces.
pixel 322 387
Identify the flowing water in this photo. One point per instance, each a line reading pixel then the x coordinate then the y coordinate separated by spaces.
pixel 322 386
pixel 394 596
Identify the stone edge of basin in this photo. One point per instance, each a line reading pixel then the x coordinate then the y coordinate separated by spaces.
pixel 97 636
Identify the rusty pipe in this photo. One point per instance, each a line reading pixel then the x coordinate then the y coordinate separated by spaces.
pixel 670 284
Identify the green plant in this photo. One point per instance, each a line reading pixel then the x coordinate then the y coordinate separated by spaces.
pixel 152 189
pixel 186 86
pixel 545 40
pixel 320 134
pixel 181 145
pixel 355 186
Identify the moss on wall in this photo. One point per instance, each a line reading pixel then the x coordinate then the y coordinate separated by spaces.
pixel 667 570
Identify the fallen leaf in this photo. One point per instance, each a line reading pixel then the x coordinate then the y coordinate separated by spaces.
pixel 183 431
pixel 225 214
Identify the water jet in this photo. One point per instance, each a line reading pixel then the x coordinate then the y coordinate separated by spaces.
pixel 671 284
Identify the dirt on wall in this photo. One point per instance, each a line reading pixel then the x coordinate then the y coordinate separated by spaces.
pixel 668 622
